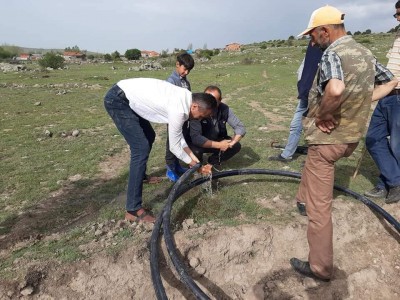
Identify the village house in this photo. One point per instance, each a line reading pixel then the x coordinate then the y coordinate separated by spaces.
pixel 233 47
pixel 147 54
pixel 24 56
pixel 73 55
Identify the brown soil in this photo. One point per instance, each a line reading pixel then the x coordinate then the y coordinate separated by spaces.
pixel 243 262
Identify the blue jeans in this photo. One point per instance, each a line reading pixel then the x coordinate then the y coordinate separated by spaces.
pixel 139 135
pixel 296 127
pixel 385 122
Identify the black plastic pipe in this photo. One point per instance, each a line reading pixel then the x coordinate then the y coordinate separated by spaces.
pixel 179 189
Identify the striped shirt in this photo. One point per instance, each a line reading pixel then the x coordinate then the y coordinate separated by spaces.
pixel 394 57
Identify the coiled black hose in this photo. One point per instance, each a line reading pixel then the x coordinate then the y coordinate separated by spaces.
pixel 179 189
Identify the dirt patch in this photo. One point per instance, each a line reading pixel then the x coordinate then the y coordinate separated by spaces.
pixel 243 262
pixel 273 118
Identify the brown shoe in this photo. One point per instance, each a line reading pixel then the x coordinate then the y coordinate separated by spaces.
pixel 140 215
pixel 152 179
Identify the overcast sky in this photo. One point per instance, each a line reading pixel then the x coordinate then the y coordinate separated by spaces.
pixel 108 25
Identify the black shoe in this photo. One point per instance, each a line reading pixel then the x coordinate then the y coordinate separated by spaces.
pixel 393 195
pixel 302 208
pixel 279 158
pixel 376 192
pixel 303 267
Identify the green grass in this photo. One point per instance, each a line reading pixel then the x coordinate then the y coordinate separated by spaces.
pixel 259 85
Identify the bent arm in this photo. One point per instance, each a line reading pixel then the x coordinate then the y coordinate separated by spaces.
pixel 383 90
pixel 331 100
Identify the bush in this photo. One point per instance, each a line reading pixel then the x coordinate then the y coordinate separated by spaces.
pixel 52 60
pixel 5 54
pixel 205 53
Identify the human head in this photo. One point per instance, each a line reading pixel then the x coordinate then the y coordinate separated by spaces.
pixel 325 26
pixel 184 63
pixel 397 14
pixel 202 106
pixel 215 91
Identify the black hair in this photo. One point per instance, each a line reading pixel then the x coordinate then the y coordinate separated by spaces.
pixel 214 88
pixel 204 100
pixel 186 59
pixel 397 5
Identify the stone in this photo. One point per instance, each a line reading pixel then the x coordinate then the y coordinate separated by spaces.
pixel 75 133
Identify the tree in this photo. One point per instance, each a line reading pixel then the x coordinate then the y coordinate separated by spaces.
pixel 164 53
pixel 51 60
pixel 107 57
pixel 291 37
pixel 74 48
pixel 133 54
pixel 357 33
pixel 368 31
pixel 115 55
pixel 349 33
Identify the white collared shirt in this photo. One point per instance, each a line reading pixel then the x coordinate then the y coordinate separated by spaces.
pixel 159 101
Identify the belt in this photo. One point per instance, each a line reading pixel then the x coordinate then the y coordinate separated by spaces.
pixel 120 93
pixel 394 92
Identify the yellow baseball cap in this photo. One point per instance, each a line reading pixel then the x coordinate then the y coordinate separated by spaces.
pixel 327 15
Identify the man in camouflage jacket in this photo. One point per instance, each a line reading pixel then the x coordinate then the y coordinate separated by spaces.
pixel 339 105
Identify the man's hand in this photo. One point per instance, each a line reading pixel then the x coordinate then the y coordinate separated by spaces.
pixel 327 124
pixel 224 145
pixel 205 170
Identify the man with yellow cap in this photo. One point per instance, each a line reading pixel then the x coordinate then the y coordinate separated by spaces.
pixel 349 77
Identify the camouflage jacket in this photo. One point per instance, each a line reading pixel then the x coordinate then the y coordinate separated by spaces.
pixel 358 65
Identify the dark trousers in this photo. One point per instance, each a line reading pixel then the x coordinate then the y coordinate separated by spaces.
pixel 385 122
pixel 217 156
pixel 139 135
pixel 170 159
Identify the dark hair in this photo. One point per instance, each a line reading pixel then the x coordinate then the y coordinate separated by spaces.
pixel 204 100
pixel 397 5
pixel 214 88
pixel 186 60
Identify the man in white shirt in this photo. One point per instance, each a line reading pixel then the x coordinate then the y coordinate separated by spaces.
pixel 133 104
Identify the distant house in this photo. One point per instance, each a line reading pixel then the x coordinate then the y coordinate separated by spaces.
pixel 146 54
pixel 233 47
pixel 36 56
pixel 24 56
pixel 73 55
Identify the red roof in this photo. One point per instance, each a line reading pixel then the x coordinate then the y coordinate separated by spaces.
pixel 72 53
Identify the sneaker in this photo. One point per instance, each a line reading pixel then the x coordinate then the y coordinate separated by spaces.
pixel 393 195
pixel 376 192
pixel 280 158
pixel 302 208
pixel 303 267
pixel 171 175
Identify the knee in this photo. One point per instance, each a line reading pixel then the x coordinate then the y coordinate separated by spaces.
pixel 237 147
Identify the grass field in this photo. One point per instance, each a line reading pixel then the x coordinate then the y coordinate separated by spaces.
pixel 59 175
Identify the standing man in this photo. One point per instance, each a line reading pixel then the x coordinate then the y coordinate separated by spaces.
pixel 306 75
pixel 385 123
pixel 335 123
pixel 211 135
pixel 133 104
pixel 184 64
